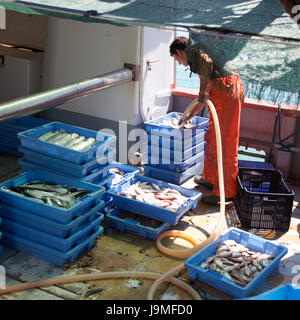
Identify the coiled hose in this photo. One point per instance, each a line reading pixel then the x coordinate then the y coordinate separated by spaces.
pixel 182 254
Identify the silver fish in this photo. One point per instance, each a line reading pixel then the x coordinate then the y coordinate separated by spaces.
pixel 74 141
pixel 84 145
pixel 65 139
pixel 47 135
pixel 57 135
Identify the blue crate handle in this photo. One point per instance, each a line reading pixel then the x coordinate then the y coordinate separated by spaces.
pixel 131 221
pixel 188 202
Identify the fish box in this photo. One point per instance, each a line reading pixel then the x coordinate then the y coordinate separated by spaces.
pixel 255 164
pixel 61 230
pixel 283 292
pixel 172 176
pixel 173 166
pixel 21 124
pixel 263 200
pixel 164 155
pixel 45 210
pixel 50 241
pixel 108 203
pixel 155 126
pixel 126 168
pixel 149 210
pixel 66 167
pixel 29 139
pixel 13 150
pixel 26 165
pixel 111 179
pixel 51 255
pixel 134 227
pixel 176 143
pixel 216 280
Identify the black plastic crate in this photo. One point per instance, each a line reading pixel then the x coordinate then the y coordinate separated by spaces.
pixel 263 200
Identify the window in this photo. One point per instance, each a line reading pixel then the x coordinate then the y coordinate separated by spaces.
pixel 183 79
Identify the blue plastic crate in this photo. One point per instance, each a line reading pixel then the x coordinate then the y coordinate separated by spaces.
pixel 134 227
pixel 176 143
pixel 155 126
pixel 43 209
pixel 108 203
pixel 255 164
pixel 10 150
pixel 26 165
pixel 103 171
pixel 24 123
pixel 9 139
pixel 105 182
pixel 63 166
pixel 282 292
pixel 216 280
pixel 164 155
pixel 128 169
pixel 148 210
pixel 50 241
pixel 176 167
pixel 42 252
pixel 62 230
pixel 172 176
pixel 29 139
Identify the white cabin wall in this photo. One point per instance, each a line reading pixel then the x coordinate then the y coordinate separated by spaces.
pixel 75 51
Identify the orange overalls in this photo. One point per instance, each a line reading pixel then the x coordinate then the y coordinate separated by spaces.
pixel 227 95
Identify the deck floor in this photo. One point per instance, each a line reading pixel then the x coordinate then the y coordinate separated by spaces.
pixel 117 251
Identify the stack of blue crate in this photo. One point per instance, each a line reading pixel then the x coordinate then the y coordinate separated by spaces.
pixel 9 130
pixel 174 155
pixel 84 165
pixel 55 234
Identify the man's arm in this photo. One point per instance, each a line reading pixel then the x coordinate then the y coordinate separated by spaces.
pixel 206 67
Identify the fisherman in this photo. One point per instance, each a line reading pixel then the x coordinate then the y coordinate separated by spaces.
pixel 225 90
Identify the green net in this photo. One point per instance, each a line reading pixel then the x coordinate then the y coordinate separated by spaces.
pixel 268 70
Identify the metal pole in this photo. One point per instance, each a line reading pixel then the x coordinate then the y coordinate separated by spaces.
pixel 26 106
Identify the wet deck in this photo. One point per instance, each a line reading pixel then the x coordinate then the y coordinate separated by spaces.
pixel 116 251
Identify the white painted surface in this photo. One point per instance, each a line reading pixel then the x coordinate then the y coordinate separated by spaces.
pixel 76 51
pixel 19 78
pixel 158 73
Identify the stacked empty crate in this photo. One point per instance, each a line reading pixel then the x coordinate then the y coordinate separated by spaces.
pixel 171 154
pixel 52 233
pixel 9 141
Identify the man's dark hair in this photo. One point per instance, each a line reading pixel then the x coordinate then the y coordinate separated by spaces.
pixel 180 43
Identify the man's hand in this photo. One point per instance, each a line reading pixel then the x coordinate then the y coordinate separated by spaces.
pixel 190 112
pixel 186 116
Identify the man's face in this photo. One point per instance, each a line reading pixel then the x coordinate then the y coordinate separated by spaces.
pixel 180 57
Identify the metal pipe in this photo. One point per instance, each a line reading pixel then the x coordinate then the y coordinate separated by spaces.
pixel 26 106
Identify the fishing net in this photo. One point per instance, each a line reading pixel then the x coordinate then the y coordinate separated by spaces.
pixel 268 69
